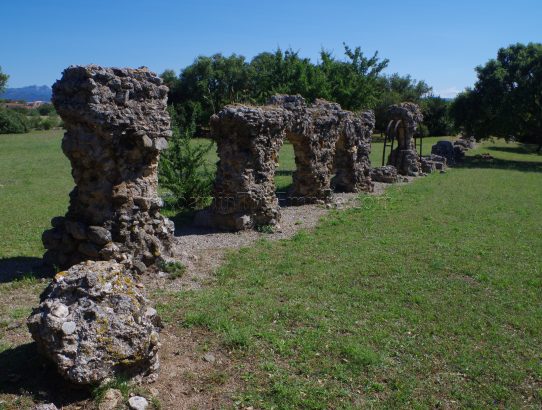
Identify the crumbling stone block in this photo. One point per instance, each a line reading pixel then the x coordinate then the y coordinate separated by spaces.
pixel 432 163
pixel 116 125
pixel 405 158
pixel 386 174
pixel 94 323
pixel 454 153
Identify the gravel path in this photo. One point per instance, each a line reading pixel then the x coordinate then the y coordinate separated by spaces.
pixel 202 250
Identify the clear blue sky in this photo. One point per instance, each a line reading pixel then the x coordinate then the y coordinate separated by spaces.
pixel 438 41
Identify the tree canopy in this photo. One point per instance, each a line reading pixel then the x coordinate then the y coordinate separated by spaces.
pixel 3 80
pixel 356 82
pixel 506 100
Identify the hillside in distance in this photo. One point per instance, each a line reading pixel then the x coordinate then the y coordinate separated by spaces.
pixel 28 94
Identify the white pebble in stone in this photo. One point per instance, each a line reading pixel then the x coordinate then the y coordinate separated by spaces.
pixel 60 310
pixel 138 403
pixel 68 327
pixel 150 312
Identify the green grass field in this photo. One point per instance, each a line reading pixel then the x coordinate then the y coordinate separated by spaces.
pixel 429 297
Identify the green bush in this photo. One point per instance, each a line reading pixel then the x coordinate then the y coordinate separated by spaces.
pixel 12 122
pixel 183 172
pixel 47 109
pixel 48 123
pixel 39 123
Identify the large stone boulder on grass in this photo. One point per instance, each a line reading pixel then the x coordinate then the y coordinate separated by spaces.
pixel 94 323
pixel 386 174
pixel 454 153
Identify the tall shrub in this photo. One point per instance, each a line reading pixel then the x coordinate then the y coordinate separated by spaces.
pixel 184 170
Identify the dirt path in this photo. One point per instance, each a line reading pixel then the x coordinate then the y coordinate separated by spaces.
pixel 202 250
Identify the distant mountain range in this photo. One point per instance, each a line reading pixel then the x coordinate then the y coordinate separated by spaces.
pixel 28 94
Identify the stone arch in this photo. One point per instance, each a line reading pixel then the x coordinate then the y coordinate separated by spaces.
pixel 314 139
pixel 248 142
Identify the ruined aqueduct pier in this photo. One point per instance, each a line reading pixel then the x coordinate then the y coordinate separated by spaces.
pixel 405 118
pixel 116 125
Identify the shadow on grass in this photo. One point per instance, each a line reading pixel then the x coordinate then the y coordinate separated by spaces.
pixel 284 173
pixel 184 219
pixel 496 163
pixel 25 373
pixel 519 149
pixel 19 267
pixel 184 224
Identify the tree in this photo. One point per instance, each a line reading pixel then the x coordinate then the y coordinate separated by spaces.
pixel 355 82
pixel 436 116
pixel 506 100
pixel 3 80
pixel 12 122
pixel 183 170
pixel 283 72
pixel 208 84
pixel 170 79
pixel 395 89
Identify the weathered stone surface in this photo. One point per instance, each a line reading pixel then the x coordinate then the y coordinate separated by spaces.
pixel 94 323
pixel 138 403
pixel 466 142
pixel 249 140
pixel 432 163
pixel 46 406
pixel 405 158
pixel 386 174
pixel 452 152
pixel 116 124
pixel 353 149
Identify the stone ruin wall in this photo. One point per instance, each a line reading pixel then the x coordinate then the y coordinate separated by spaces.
pixel 405 157
pixel 325 139
pixel 352 162
pixel 116 125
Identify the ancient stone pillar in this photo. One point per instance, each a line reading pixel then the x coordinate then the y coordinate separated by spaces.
pixel 352 161
pixel 248 142
pixel 313 132
pixel 116 125
pixel 405 117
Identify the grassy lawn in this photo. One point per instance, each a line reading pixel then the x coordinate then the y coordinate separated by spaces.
pixel 34 184
pixel 427 297
pixel 431 298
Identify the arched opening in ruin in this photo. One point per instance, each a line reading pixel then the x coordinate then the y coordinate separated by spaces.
pixel 309 180
pixel 341 170
pixel 284 172
pixel 284 149
pixel 296 178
